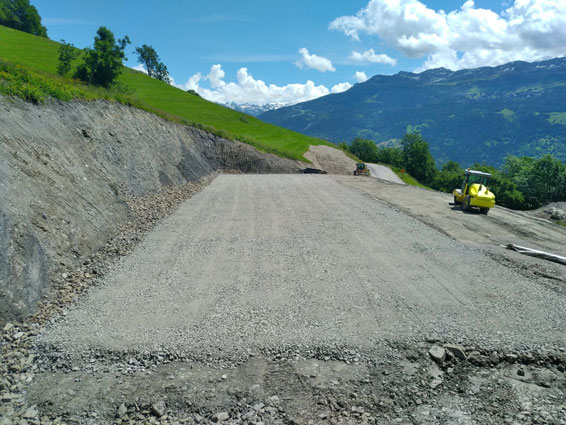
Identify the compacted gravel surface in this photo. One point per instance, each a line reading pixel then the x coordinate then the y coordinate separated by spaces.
pixel 270 261
pixel 297 299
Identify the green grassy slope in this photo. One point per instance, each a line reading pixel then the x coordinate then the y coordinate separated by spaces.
pixel 39 56
pixel 407 178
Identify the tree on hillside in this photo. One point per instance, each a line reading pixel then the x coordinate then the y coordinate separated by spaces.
pixel 417 158
pixel 67 54
pixel 544 181
pixel 364 149
pixel 22 16
pixel 540 180
pixel 391 155
pixel 150 59
pixel 449 177
pixel 103 63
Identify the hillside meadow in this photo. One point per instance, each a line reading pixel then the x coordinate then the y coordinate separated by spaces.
pixel 28 67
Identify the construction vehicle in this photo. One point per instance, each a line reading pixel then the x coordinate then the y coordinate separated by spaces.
pixel 474 192
pixel 361 169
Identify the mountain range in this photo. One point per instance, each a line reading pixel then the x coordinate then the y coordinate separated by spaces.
pixel 251 109
pixel 472 115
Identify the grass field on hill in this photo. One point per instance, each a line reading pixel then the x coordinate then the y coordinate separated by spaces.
pixel 29 70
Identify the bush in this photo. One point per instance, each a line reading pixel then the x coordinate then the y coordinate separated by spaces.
pixel 36 88
pixel 390 156
pixel 540 180
pixel 448 178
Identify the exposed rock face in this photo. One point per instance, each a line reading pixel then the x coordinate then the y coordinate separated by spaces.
pixel 64 167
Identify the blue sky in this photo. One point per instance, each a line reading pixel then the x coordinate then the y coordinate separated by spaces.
pixel 333 44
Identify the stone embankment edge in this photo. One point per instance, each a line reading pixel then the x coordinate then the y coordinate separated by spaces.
pixel 17 367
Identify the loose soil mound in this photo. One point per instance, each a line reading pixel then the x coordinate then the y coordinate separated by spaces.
pixel 330 159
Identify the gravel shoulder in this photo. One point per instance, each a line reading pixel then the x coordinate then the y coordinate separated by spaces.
pixel 499 226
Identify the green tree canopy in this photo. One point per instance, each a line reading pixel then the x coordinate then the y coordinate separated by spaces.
pixel 541 180
pixel 417 158
pixel 67 54
pixel 364 149
pixel 22 16
pixel 449 177
pixel 103 63
pixel 391 155
pixel 150 59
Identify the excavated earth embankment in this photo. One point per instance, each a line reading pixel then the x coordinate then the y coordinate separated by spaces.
pixel 68 171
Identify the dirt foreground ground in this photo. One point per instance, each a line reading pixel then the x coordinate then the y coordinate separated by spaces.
pixel 309 299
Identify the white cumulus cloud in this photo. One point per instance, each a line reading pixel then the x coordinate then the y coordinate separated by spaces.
pixel 140 68
pixel 371 56
pixel 313 61
pixel 247 89
pixel 339 88
pixel 468 37
pixel 192 83
pixel 360 77
pixel 215 76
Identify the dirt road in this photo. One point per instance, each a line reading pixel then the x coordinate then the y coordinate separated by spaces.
pixel 286 281
pixel 384 173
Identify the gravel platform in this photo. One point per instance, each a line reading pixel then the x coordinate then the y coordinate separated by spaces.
pixel 256 262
